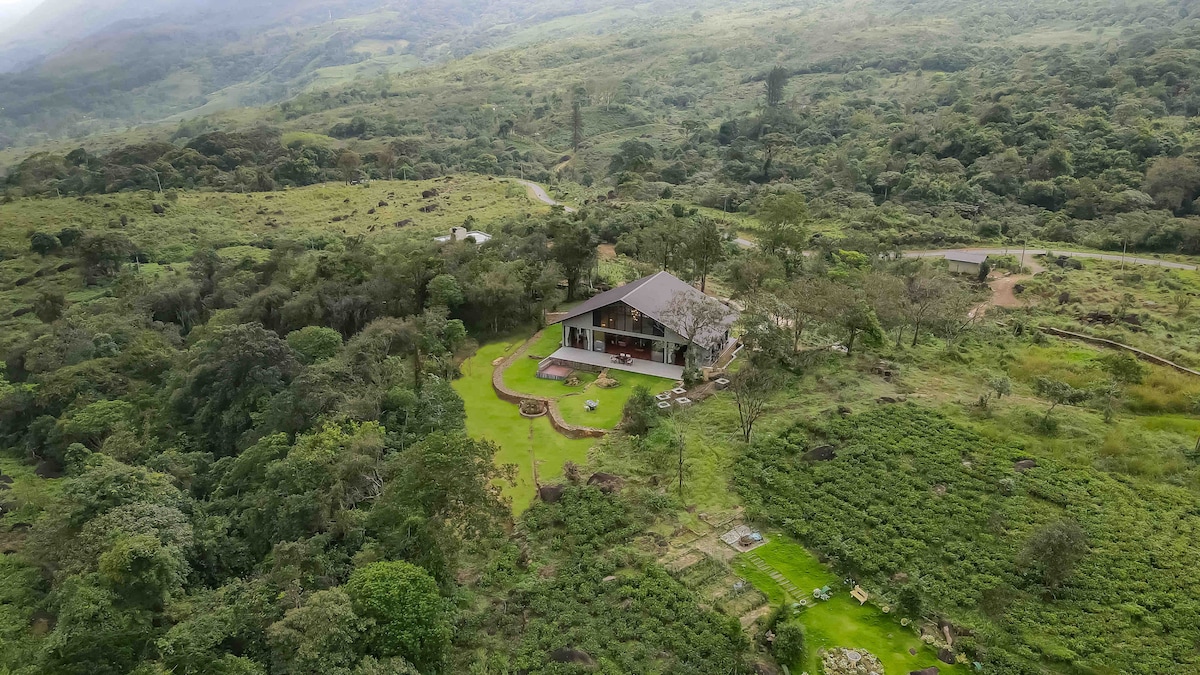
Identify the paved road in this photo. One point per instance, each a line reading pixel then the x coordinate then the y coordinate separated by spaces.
pixel 1041 251
pixel 1133 260
pixel 539 193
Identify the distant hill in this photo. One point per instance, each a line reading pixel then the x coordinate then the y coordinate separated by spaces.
pixel 76 67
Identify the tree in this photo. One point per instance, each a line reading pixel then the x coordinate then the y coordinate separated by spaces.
pixel 228 380
pixel 788 647
pixel 928 296
pixel 1052 552
pixel 701 320
pixel 444 291
pixel 1124 368
pixel 49 306
pixel 349 162
pixel 410 617
pixel 640 414
pixel 1059 393
pixel 705 248
pixel 43 244
pixel 322 636
pixel 315 343
pixel 574 251
pixel 104 254
pixel 776 81
pixel 142 571
pixel 386 159
pixel 632 155
pixel 1172 182
pixel 772 143
pixel 752 389
pixel 999 385
pixel 858 320
pixel 576 125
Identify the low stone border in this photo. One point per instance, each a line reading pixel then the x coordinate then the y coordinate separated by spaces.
pixel 1143 355
pixel 556 420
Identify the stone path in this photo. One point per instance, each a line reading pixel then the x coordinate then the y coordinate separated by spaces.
pixel 762 566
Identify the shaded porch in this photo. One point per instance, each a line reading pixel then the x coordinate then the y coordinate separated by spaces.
pixel 601 360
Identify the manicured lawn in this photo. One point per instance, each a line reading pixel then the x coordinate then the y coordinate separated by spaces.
pixel 521 441
pixel 840 621
pixel 522 377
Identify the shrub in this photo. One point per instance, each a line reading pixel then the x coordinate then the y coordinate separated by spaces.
pixel 409 614
pixel 315 343
pixel 789 642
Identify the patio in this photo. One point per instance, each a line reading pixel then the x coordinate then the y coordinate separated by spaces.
pixel 602 360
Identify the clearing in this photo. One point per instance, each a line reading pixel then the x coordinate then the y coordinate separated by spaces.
pixel 839 621
pixel 522 376
pixel 537 450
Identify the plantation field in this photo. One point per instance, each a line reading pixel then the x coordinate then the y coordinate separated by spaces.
pixel 911 492
pixel 531 445
pixel 839 621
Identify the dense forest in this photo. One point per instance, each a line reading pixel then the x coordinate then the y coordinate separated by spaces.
pixel 249 411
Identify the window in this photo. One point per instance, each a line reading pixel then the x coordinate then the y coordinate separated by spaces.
pixel 622 317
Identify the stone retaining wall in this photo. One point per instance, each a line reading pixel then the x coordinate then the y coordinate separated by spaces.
pixel 560 425
pixel 1143 355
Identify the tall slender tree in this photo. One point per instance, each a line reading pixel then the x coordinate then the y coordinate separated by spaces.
pixel 576 125
pixel 776 80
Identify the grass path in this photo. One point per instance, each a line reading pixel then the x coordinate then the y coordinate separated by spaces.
pixel 532 445
pixel 787 572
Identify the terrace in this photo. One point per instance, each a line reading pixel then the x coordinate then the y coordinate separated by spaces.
pixel 570 356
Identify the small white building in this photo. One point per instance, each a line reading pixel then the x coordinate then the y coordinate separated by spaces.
pixel 463 234
pixel 966 263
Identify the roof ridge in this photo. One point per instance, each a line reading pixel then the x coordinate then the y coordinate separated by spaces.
pixel 645 280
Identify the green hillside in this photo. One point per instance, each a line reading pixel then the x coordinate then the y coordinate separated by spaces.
pixel 255 418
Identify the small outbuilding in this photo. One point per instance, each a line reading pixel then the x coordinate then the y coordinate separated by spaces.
pixel 966 263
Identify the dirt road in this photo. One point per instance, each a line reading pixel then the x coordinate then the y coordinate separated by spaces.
pixel 539 193
pixel 1030 253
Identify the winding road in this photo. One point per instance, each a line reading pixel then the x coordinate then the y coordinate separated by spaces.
pixel 1029 253
pixel 539 193
pixel 1041 251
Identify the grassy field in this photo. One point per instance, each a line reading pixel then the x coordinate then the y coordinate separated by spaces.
pixel 522 376
pixel 523 442
pixel 840 621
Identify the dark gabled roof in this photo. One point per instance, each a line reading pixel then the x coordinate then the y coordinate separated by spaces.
pixel 650 295
pixel 965 257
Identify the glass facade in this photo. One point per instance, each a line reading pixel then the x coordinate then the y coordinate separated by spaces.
pixel 622 317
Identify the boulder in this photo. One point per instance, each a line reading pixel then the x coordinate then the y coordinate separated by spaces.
pixel 571 655
pixel 946 656
pixel 821 454
pixel 550 493
pixel 607 482
pixel 1024 465
pixel 931 670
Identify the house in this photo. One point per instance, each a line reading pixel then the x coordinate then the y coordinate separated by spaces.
pixel 966 263
pixel 646 326
pixel 463 234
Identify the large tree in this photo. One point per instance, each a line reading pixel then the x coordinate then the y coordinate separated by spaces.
pixel 410 619
pixel 574 250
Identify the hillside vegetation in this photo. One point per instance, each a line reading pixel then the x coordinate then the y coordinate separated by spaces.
pixel 247 416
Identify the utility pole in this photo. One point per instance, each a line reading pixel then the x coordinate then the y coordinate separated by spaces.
pixel 1124 246
pixel 1024 243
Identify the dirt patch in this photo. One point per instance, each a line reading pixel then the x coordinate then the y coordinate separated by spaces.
pixel 753 615
pixel 607 251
